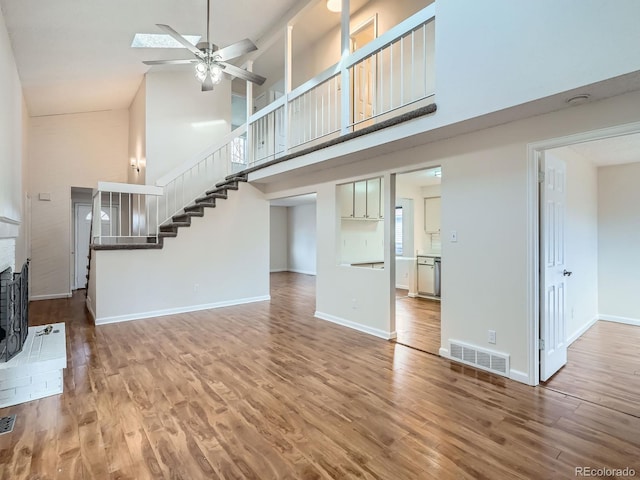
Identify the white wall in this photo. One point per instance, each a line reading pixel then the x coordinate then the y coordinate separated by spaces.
pixel 12 116
pixel 618 240
pixel 485 281
pixel 217 261
pixel 301 242
pixel 581 241
pixel 278 239
pixel 75 150
pixel 496 49
pixel 356 297
pixel 361 241
pixel 326 51
pixel 138 135
pixel 181 120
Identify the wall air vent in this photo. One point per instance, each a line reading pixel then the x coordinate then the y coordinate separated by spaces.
pixel 488 360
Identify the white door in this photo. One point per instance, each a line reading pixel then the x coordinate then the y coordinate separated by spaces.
pixel 83 225
pixel 553 274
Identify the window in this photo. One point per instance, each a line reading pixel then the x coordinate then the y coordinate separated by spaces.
pixel 398 230
pixel 103 216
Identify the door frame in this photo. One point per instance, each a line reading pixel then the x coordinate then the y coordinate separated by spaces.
pixel 371 22
pixel 533 230
pixel 77 206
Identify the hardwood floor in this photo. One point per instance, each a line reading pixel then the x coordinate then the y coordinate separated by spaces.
pixel 266 391
pixel 604 368
pixel 418 322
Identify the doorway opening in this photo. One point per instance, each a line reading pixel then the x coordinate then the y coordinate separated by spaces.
pixel 589 315
pixel 292 243
pixel 363 80
pixel 418 259
pixel 81 199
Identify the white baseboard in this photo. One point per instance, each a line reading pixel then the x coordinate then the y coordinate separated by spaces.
pixel 278 270
pixel 444 352
pixel 627 320
pixel 402 287
pixel 91 312
pixel 35 298
pixel 355 326
pixel 578 333
pixel 174 311
pixel 412 295
pixel 304 272
pixel 519 376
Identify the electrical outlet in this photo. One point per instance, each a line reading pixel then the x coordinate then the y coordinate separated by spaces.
pixel 454 236
pixel 492 336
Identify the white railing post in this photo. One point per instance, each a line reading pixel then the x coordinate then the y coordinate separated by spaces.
pixel 345 81
pixel 97 219
pixel 288 68
pixel 249 144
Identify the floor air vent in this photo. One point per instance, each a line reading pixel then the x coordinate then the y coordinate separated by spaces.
pixel 6 424
pixel 485 359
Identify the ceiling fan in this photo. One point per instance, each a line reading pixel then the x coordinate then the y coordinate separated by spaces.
pixel 211 61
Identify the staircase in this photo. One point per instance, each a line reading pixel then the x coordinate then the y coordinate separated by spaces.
pixel 183 219
pixel 197 209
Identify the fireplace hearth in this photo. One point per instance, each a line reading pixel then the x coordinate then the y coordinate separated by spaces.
pixel 14 311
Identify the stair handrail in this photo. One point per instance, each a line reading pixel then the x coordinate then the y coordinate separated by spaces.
pixel 200 157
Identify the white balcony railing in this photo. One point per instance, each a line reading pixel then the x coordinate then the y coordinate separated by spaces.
pixel 389 75
pixel 125 213
pixel 393 72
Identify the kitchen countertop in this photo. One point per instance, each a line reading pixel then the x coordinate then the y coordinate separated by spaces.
pixel 429 254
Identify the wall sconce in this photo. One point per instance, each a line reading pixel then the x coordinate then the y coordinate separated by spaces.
pixel 334 6
pixel 134 165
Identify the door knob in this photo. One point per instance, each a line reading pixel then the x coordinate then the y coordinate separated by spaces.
pixel 567 273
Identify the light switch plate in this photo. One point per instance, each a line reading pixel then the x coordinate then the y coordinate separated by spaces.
pixel 491 337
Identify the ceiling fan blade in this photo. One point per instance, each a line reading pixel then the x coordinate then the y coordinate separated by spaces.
pixel 241 73
pixel 236 49
pixel 179 38
pixel 169 62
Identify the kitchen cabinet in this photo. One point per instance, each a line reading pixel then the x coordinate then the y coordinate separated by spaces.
pixel 373 198
pixel 346 200
pixel 362 200
pixel 426 276
pixel 432 206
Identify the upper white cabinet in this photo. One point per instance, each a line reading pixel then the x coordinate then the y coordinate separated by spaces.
pixel 432 207
pixel 362 200
pixel 345 196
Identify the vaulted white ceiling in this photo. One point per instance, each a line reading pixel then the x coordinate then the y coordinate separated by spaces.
pixel 75 55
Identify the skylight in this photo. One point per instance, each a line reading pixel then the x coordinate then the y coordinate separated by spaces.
pixel 160 40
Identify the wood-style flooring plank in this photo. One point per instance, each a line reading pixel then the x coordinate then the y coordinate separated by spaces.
pixel 418 322
pixel 602 367
pixel 267 391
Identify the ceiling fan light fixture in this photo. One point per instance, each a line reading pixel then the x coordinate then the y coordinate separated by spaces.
pixel 201 71
pixel 216 73
pixel 334 6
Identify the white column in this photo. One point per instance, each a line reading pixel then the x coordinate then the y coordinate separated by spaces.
pixel 345 81
pixel 389 196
